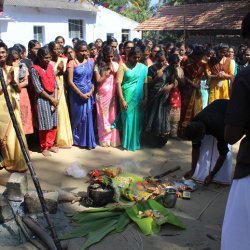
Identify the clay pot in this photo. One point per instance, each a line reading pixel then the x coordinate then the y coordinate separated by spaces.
pixel 100 195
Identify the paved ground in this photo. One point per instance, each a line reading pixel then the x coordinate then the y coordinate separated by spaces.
pixel 201 234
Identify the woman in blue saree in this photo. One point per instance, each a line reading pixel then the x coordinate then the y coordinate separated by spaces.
pixel 81 98
pixel 132 92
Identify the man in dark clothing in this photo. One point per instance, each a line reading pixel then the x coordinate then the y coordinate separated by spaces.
pixel 210 121
pixel 236 225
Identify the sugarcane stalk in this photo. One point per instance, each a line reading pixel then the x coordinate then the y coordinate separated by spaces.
pixel 29 162
pixel 21 224
pixel 42 234
pixel 23 229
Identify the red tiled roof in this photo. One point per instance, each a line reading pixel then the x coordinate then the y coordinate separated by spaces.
pixel 205 16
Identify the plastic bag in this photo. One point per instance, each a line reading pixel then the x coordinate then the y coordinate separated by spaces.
pixel 183 185
pixel 75 170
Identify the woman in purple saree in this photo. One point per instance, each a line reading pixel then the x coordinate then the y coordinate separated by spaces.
pixel 81 97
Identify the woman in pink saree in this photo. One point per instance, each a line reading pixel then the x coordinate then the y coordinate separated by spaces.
pixel 106 101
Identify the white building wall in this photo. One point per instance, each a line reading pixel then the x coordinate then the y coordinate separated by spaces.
pixel 111 22
pixel 55 23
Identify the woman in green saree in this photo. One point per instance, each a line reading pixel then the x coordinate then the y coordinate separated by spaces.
pixel 132 92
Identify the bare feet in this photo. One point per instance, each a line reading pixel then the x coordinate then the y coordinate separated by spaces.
pixel 208 179
pixel 105 144
pixel 189 174
pixel 46 153
pixel 54 149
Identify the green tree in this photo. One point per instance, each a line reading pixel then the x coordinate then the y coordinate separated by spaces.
pixel 138 10
pixel 178 2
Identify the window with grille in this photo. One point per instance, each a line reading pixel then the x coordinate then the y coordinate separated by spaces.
pixel 38 33
pixel 110 35
pixel 125 35
pixel 75 28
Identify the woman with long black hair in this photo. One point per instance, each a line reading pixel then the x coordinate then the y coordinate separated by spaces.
pixel 11 157
pixel 158 109
pixel 44 82
pixel 106 100
pixel 81 97
pixel 64 138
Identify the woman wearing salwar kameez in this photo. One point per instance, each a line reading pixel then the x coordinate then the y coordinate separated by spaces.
pixel 222 70
pixel 13 59
pixel 44 82
pixel 10 151
pixel 132 91
pixel 175 94
pixel 81 98
pixel 64 137
pixel 204 86
pixel 191 99
pixel 106 100
pixel 231 55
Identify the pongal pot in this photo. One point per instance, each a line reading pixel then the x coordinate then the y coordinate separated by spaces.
pixel 99 195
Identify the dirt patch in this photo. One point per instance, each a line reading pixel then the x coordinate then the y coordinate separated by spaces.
pixel 203 233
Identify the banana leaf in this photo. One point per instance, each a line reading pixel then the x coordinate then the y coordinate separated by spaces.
pixel 114 225
pixel 102 209
pixel 122 222
pixel 92 210
pixel 85 228
pixel 96 225
pixel 85 217
pixel 150 225
pixel 97 235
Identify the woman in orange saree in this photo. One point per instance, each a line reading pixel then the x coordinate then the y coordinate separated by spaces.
pixel 194 69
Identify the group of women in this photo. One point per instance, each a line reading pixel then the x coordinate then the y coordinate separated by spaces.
pixel 97 93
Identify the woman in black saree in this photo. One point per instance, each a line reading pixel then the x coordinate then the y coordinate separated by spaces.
pixel 161 79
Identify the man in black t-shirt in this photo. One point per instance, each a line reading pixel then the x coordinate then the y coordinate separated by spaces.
pixel 210 121
pixel 236 225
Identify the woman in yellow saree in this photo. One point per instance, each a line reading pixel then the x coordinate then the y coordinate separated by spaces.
pixel 11 155
pixel 221 68
pixel 64 137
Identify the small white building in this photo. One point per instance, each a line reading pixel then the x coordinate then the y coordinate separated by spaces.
pixel 44 20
